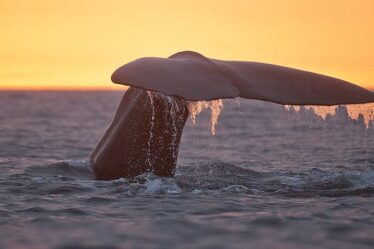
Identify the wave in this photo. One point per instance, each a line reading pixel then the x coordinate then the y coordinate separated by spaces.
pixel 208 177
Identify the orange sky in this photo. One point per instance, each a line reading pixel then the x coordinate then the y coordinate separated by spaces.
pixel 57 44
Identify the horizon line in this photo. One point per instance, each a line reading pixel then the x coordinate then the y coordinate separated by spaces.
pixel 61 89
pixel 76 89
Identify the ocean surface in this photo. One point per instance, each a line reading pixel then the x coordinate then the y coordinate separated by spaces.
pixel 268 178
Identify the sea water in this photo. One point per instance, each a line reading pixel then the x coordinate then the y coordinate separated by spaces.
pixel 268 178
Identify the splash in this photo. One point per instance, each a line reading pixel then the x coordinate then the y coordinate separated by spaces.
pixel 355 112
pixel 196 107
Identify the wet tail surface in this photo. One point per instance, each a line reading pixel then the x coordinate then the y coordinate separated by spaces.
pixel 144 136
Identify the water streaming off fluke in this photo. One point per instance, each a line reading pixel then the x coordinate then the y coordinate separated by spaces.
pixel 196 107
pixel 364 112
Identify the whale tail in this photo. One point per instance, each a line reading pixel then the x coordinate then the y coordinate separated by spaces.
pixel 193 76
pixel 145 132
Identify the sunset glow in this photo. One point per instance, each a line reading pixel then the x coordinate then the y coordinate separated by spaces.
pixel 66 44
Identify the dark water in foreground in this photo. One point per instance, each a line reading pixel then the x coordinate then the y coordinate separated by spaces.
pixel 268 179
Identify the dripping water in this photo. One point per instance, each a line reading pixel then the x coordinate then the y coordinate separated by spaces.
pixel 174 108
pixel 150 95
pixel 196 107
pixel 173 113
pixel 359 112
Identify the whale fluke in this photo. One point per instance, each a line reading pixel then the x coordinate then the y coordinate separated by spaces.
pixel 146 130
pixel 193 76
